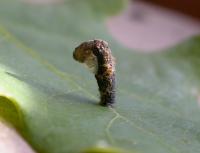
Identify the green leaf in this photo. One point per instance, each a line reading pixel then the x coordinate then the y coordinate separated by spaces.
pixel 54 98
pixel 9 111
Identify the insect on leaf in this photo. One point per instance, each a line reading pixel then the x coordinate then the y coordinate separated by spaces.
pixel 157 95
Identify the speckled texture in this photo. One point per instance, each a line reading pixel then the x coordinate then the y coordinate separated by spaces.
pixel 105 72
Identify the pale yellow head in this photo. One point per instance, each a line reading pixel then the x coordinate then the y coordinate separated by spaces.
pixel 84 54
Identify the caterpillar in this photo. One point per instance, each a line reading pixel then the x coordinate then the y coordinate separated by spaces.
pixel 97 56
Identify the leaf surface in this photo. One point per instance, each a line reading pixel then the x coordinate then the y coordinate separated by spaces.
pixel 55 98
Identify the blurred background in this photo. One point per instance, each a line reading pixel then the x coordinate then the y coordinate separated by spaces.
pixel 151 25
